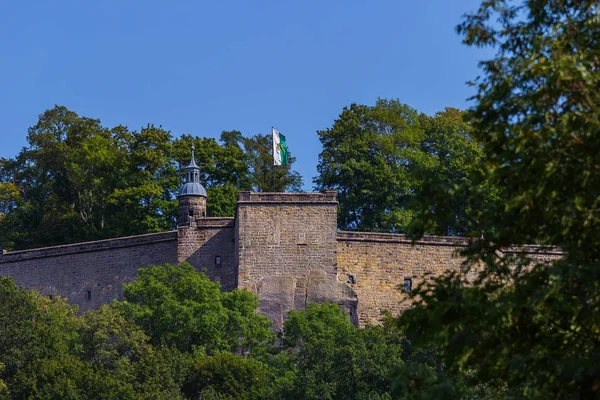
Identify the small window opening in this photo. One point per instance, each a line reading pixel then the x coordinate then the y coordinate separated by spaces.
pixel 407 285
pixel 351 279
pixel 191 212
pixel 217 260
pixel 203 214
pixel 301 238
pixel 88 295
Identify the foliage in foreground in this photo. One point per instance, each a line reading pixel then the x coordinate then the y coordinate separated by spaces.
pixel 532 322
pixel 177 336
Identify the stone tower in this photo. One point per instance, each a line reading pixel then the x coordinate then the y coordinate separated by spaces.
pixel 191 196
pixel 207 243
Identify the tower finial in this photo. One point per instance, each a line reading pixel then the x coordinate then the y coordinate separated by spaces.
pixel 193 160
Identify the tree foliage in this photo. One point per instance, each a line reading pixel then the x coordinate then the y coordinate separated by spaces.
pixel 398 170
pixel 532 322
pixel 77 180
pixel 178 307
pixel 333 359
pixel 176 336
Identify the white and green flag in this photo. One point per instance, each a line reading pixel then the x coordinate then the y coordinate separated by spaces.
pixel 280 151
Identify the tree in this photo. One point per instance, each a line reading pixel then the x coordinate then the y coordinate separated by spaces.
pixel 532 322
pixel 264 176
pixel 333 359
pixel 228 376
pixel 78 180
pixel 47 351
pixel 398 170
pixel 177 306
pixel 453 192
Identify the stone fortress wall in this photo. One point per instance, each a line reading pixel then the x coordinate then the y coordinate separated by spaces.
pixel 376 265
pixel 287 251
pixel 88 274
pixel 285 247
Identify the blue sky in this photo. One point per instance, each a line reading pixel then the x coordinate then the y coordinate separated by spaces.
pixel 201 67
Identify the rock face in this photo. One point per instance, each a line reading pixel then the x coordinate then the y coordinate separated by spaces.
pixel 280 294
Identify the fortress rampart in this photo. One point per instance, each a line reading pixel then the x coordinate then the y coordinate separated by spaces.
pixel 285 247
pixel 88 274
pixel 379 263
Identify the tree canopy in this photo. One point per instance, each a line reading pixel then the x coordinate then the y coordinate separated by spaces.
pixel 77 180
pixel 399 170
pixel 177 336
pixel 531 321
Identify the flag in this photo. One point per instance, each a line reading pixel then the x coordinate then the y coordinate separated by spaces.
pixel 280 151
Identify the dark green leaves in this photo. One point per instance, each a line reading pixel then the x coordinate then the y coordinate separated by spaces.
pixel 399 170
pixel 77 180
pixel 531 322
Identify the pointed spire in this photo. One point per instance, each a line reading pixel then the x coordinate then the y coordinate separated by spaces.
pixel 192 171
pixel 193 161
pixel 192 185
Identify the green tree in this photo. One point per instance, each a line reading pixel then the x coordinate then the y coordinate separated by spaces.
pixel 532 322
pixel 143 200
pixel 47 352
pixel 453 193
pixel 398 170
pixel 333 359
pixel 77 180
pixel 228 376
pixel 177 306
pixel 264 176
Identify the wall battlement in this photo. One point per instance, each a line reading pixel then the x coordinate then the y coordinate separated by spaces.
pixel 400 238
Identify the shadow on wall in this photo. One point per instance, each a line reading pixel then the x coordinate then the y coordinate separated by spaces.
pixel 216 257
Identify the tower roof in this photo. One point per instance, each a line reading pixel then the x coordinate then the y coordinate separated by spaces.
pixel 192 185
pixel 193 161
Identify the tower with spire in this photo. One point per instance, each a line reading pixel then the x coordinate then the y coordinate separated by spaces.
pixel 191 196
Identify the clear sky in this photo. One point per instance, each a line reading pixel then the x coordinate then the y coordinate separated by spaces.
pixel 201 67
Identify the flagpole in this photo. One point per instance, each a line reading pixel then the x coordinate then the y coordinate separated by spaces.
pixel 273 164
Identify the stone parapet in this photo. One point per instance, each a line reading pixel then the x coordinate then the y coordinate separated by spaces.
pixel 430 240
pixel 400 238
pixel 215 222
pixel 86 247
pixel 328 197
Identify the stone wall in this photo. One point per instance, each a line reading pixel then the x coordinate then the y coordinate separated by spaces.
pixel 285 247
pixel 92 273
pixel 378 264
pixel 287 251
pixel 209 246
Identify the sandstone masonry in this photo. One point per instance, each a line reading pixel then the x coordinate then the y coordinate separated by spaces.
pixel 284 247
